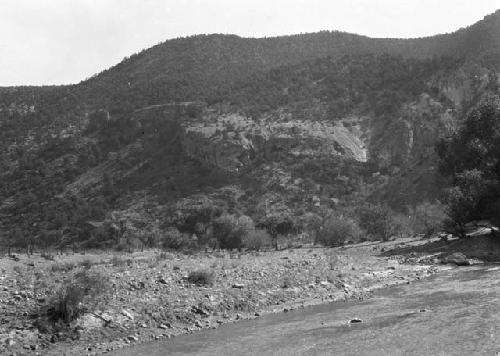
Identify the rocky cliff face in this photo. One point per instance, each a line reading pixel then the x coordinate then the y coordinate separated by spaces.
pixel 232 141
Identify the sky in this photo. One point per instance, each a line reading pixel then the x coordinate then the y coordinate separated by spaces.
pixel 46 42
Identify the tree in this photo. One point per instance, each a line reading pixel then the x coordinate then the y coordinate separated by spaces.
pixel 469 199
pixel 470 157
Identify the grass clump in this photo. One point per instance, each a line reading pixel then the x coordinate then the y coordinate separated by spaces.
pixel 118 261
pixel 62 267
pixel 80 294
pixel 202 277
pixel 287 282
pixel 87 263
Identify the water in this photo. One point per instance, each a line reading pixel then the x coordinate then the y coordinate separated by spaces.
pixel 455 313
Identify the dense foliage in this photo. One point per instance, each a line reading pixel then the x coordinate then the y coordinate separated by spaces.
pixel 471 158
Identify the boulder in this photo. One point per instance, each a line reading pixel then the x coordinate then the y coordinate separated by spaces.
pixel 355 321
pixel 458 258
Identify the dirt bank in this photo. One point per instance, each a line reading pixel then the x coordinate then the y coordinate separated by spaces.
pixel 150 297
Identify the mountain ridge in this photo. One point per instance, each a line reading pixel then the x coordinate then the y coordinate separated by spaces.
pixel 286 126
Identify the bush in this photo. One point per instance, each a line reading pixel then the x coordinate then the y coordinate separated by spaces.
pixel 175 240
pixel 402 225
pixel 47 256
pixel 337 230
pixel 62 267
pixel 287 282
pixel 428 218
pixel 202 277
pixel 472 198
pixel 377 221
pixel 163 256
pixel 229 231
pixel 257 240
pixel 87 263
pixel 118 261
pixel 76 296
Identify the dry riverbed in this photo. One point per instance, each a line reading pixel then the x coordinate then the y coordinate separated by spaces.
pixel 150 297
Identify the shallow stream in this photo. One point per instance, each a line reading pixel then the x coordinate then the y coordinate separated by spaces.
pixel 456 312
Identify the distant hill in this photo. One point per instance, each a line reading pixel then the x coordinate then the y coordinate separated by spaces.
pixel 200 66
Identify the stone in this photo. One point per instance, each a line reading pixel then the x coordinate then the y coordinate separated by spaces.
pixel 127 314
pixel 458 258
pixel 238 285
pixel 355 321
pixel 132 338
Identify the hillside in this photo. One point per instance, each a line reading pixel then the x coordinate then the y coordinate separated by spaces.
pixel 274 128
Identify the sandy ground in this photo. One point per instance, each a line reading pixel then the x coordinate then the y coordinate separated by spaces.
pixel 150 298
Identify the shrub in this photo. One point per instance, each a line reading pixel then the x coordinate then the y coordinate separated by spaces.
pixel 402 225
pixel 163 256
pixel 428 218
pixel 311 223
pixel 470 199
pixel 376 220
pixel 337 230
pixel 287 282
pixel 257 240
pixel 77 295
pixel 230 231
pixel 174 240
pixel 202 277
pixel 47 256
pixel 87 263
pixel 62 267
pixel 118 261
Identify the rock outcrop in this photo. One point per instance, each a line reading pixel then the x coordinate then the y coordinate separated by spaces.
pixel 232 141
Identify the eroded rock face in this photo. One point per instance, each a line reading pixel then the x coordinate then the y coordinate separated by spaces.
pixel 412 135
pixel 232 141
